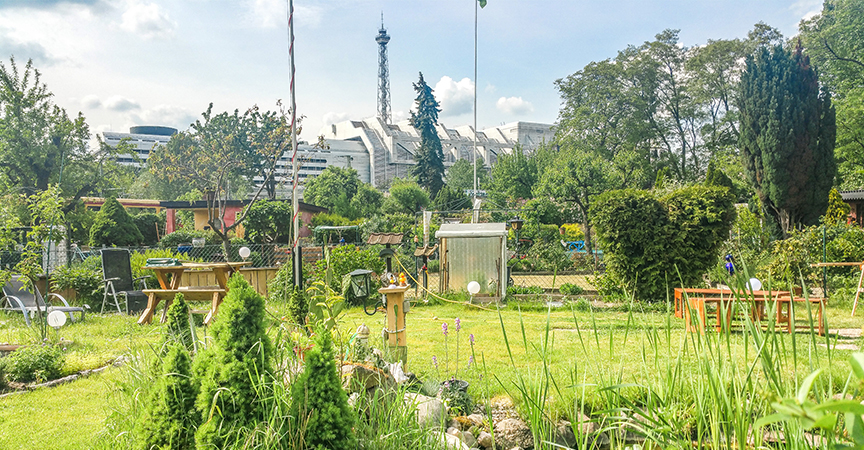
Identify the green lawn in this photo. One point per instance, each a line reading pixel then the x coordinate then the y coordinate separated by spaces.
pixel 602 347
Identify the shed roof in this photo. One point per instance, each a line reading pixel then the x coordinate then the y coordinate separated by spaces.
pixel 852 195
pixel 385 238
pixel 449 230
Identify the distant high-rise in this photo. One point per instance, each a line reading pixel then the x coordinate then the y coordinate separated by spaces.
pixel 383 74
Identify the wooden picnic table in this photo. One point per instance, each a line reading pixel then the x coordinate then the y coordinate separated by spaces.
pixel 170 279
pixel 724 299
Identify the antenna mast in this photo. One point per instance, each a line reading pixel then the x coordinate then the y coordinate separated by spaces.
pixel 383 73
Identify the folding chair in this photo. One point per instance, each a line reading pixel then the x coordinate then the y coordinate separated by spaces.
pixel 17 298
pixel 117 276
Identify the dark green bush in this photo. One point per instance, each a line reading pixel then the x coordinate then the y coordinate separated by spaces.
pixel 234 367
pixel 317 396
pixel 170 418
pixel 298 305
pixel 571 289
pixel 35 363
pixel 524 290
pixel 148 225
pixel 114 227
pixel 649 241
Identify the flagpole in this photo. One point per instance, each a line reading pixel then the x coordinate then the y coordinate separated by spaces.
pixel 474 153
pixel 296 259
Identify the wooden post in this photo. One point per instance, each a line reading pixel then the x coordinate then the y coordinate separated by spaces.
pixel 397 341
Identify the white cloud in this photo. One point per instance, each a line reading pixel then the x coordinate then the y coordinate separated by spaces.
pixel 119 103
pixel 807 8
pixel 148 20
pixel 455 98
pixel 91 102
pixel 490 88
pixel 514 105
pixel 333 117
pixel 274 13
pixel 23 50
pixel 398 116
pixel 165 115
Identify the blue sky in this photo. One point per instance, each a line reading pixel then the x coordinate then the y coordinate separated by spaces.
pixel 160 62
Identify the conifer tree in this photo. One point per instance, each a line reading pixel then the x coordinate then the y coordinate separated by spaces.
pixel 171 418
pixel 430 156
pixel 233 368
pixel 177 327
pixel 113 226
pixel 318 399
pixel 787 136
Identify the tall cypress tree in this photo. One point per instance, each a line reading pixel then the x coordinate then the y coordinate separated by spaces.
pixel 430 157
pixel 787 136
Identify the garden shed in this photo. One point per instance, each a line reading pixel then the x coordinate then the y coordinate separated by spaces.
pixel 474 252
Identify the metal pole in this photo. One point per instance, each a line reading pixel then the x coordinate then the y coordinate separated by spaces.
pixel 295 163
pixel 474 153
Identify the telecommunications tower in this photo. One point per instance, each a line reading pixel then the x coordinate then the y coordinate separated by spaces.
pixel 383 74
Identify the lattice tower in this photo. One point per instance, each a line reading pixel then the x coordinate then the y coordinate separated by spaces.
pixel 383 74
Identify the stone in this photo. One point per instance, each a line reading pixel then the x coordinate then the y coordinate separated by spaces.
pixel 431 412
pixel 469 439
pixel 484 439
pixel 447 441
pixel 477 419
pixel 511 433
pixel 455 424
pixel 360 378
pixel 453 431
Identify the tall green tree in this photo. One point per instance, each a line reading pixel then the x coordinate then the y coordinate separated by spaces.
pixel 406 197
pixel 38 138
pixel 460 176
pixel 835 45
pixel 514 176
pixel 787 136
pixel 341 191
pixel 430 156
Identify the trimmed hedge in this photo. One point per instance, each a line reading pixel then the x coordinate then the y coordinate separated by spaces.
pixel 655 241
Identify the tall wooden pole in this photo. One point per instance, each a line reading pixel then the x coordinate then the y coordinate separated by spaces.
pixel 295 163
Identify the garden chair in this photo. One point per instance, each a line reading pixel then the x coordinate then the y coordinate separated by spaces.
pixel 117 276
pixel 18 298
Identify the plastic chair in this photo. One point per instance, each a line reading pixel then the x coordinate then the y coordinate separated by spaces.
pixel 18 298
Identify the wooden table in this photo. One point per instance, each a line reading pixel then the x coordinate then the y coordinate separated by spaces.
pixel 170 279
pixel 783 301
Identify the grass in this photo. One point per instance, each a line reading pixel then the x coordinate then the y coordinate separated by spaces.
pixel 553 364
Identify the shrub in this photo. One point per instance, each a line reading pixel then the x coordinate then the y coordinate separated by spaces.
pixel 183 236
pixel 572 232
pixel 298 305
pixel 233 367
pixel 138 260
pixel 317 396
pixel 114 227
pixel 269 221
pixel 346 259
pixel 148 225
pixel 178 330
pixel 650 240
pixel 85 279
pixel 524 290
pixel 571 289
pixel 170 419
pixel 35 363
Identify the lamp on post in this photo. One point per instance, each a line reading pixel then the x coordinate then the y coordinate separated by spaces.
pixel 516 225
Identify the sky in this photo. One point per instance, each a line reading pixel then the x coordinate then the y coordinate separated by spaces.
pixel 161 62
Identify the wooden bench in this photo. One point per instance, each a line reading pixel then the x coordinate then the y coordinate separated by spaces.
pixel 723 301
pixel 212 294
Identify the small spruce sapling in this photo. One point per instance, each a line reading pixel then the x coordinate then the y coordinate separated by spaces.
pixel 234 367
pixel 171 418
pixel 298 305
pixel 177 327
pixel 318 398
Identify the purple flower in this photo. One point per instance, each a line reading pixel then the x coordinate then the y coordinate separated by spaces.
pixel 471 338
pixel 444 328
pixel 435 362
pixel 458 325
pixel 470 360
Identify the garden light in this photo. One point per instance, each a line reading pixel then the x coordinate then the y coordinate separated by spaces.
pixel 754 284
pixel 245 252
pixel 473 288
